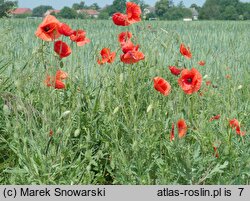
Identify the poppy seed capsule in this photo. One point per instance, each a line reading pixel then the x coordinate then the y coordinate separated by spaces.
pixel 59 131
pixel 116 109
pixel 239 87
pixel 121 78
pixel 18 84
pixel 205 76
pixel 65 114
pixel 77 132
pixel 6 110
pixel 149 108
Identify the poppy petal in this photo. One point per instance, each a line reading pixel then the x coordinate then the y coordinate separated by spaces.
pixel 48 29
pixel 120 19
pixel 190 81
pixel 185 51
pixel 62 49
pixel 182 128
pixel 65 29
pixel 133 12
pixel 174 70
pixel 132 57
pixel 162 86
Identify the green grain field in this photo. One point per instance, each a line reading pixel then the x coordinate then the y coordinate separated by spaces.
pixel 110 126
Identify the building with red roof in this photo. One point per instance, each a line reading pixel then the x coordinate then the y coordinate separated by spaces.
pixel 49 12
pixel 89 12
pixel 21 11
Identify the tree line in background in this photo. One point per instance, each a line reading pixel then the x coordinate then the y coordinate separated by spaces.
pixel 163 9
pixel 5 6
pixel 225 10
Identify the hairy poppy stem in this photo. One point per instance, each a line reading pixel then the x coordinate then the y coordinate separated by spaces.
pixel 191 110
pixel 47 147
pixel 43 59
pixel 229 140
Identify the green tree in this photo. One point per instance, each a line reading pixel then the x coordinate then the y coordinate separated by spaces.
pixel 94 6
pixel 178 13
pixel 150 15
pixel 106 10
pixel 245 12
pixel 181 4
pixel 23 15
pixel 198 8
pixel 243 9
pixel 161 7
pixel 68 13
pixel 118 6
pixel 225 3
pixel 82 15
pixel 6 6
pixel 104 15
pixel 79 6
pixel 210 10
pixel 225 10
pixel 230 13
pixel 40 10
pixel 171 3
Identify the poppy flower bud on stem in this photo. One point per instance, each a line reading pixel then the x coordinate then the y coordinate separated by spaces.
pixel 77 132
pixel 65 114
pixel 6 110
pixel 149 108
pixel 116 110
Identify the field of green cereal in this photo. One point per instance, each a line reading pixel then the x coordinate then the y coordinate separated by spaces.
pixel 110 126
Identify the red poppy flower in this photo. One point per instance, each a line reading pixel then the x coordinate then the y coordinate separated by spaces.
pixel 62 49
pixel 120 19
pixel 129 46
pixel 126 43
pixel 61 75
pixel 174 70
pixel 56 81
pixel 202 63
pixel 48 29
pixel 79 36
pixel 107 56
pixel 65 29
pixel 215 117
pixel 172 133
pixel 124 36
pixel 182 128
pixel 234 123
pixel 162 86
pixel 52 82
pixel 131 57
pixel 185 51
pixel 133 12
pixel 190 80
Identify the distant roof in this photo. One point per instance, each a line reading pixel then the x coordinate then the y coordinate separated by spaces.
pixel 19 11
pixel 49 12
pixel 54 11
pixel 89 11
pixel 150 9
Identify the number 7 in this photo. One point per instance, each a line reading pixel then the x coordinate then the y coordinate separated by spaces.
pixel 241 190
